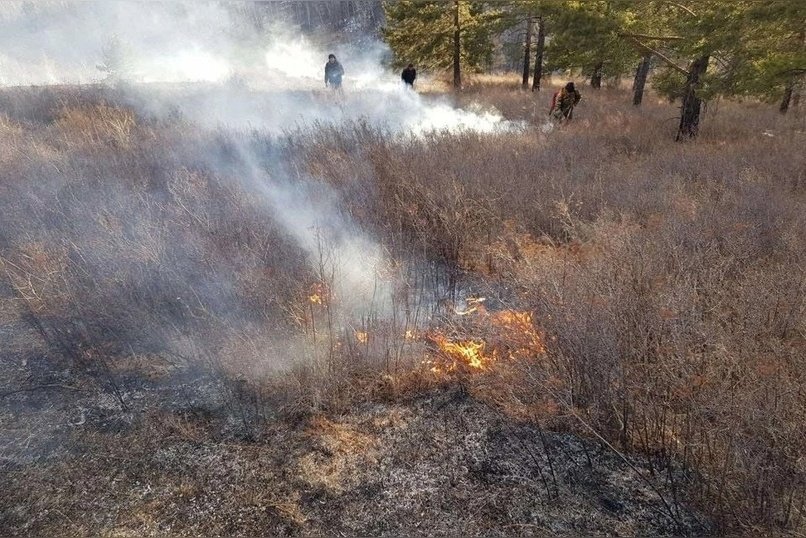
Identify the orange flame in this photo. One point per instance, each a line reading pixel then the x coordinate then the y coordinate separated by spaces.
pixel 505 333
pixel 318 293
pixel 469 352
pixel 362 336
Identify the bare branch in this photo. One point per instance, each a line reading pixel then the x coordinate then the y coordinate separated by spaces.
pixel 652 37
pixel 684 8
pixel 660 55
pixel 792 71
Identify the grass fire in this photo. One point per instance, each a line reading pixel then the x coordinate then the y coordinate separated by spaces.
pixel 466 352
pixel 402 268
pixel 508 334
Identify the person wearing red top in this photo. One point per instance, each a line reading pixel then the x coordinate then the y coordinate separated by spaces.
pixel 563 103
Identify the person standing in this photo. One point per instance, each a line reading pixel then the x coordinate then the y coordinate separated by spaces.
pixel 333 72
pixel 409 75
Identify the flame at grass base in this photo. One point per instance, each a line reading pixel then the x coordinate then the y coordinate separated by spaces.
pixel 507 334
pixel 468 352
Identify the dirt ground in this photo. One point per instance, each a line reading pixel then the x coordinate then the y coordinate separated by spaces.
pixel 440 464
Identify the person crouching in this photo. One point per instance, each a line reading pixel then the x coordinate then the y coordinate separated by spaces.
pixel 563 103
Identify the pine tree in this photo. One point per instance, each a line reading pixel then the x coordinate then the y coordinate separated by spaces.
pixel 539 52
pixel 756 48
pixel 585 35
pixel 773 64
pixel 712 48
pixel 442 35
pixel 116 60
pixel 527 50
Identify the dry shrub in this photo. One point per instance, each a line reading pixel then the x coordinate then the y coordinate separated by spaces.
pixel 683 340
pixel 100 124
pixel 668 279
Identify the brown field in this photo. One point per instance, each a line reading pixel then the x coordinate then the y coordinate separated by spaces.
pixel 173 363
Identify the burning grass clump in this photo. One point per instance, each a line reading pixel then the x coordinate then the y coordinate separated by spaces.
pixel 477 339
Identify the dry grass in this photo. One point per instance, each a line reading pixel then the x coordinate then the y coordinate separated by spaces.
pixel 668 279
pixel 665 281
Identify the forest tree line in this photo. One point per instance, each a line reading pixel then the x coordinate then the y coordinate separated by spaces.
pixel 693 51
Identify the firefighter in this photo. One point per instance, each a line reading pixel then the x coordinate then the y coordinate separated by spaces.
pixel 333 72
pixel 563 103
pixel 409 75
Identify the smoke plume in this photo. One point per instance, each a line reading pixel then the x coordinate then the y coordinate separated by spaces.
pixel 200 62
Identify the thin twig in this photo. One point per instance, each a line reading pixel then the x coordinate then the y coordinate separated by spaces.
pixel 39 387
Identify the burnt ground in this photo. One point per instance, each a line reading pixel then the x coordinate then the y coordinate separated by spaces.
pixel 178 463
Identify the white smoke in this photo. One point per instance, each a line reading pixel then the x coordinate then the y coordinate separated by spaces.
pixel 294 59
pixel 187 65
pixel 345 258
pixel 371 93
pixel 63 42
pixel 280 76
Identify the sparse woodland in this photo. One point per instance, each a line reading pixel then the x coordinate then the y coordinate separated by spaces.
pixel 591 329
pixel 699 52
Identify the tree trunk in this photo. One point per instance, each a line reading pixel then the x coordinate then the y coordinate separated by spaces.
pixel 541 44
pixel 527 50
pixel 457 47
pixel 790 89
pixel 640 80
pixel 790 95
pixel 690 109
pixel 596 77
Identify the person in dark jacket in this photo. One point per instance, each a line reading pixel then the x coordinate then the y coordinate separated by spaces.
pixel 409 75
pixel 563 103
pixel 333 72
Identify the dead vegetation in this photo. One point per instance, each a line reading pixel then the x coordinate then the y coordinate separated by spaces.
pixel 641 341
pixel 438 465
